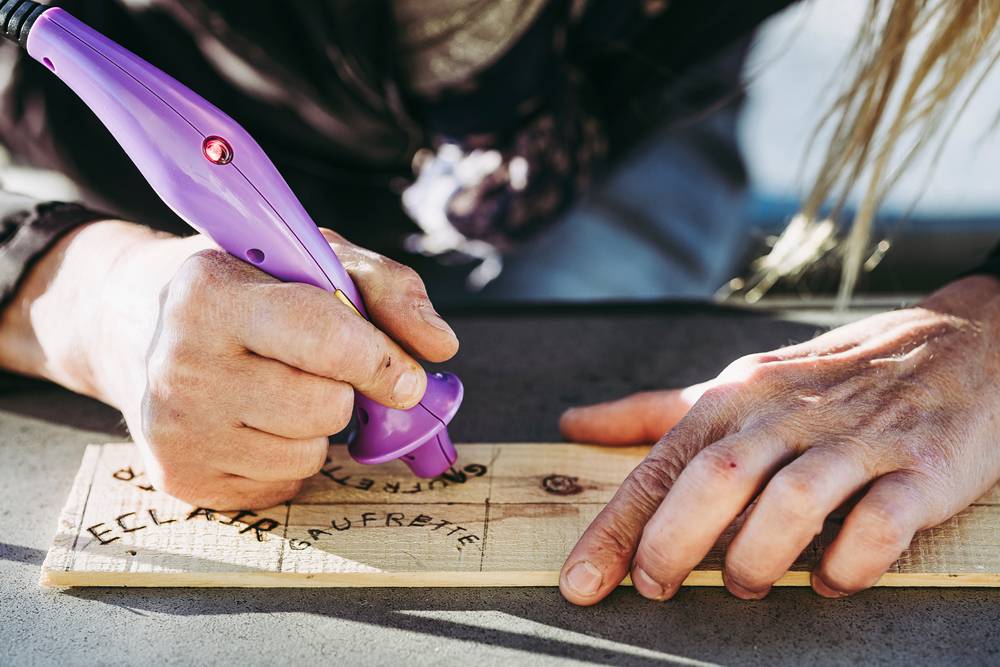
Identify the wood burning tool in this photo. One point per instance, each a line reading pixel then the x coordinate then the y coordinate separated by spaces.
pixel 215 177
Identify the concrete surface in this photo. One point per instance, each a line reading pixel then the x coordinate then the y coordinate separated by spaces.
pixel 521 368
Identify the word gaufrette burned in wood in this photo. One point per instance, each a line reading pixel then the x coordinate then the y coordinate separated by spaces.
pixel 505 515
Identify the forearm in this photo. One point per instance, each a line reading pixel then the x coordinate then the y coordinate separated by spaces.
pixel 59 316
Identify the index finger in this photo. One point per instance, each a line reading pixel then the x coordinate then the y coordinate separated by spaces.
pixel 639 418
pixel 307 328
pixel 602 556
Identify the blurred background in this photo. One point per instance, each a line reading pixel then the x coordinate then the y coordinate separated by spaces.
pixel 941 218
pixel 716 177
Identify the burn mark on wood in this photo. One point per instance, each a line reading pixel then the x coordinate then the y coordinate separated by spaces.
pixel 561 485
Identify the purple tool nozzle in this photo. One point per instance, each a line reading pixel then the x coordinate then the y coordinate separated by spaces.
pixel 216 178
pixel 418 436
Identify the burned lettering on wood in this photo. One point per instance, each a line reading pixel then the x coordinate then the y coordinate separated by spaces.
pixel 209 514
pixel 238 517
pixel 157 520
pixel 385 519
pixel 93 531
pixel 260 527
pixel 127 474
pixel 338 475
pixel 120 520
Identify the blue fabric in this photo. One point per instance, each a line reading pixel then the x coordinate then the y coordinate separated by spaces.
pixel 667 222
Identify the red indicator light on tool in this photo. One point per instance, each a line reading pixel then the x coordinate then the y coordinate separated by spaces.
pixel 217 150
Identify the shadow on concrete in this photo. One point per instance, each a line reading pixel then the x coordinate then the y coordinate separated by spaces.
pixel 795 622
pixel 19 554
pixel 49 403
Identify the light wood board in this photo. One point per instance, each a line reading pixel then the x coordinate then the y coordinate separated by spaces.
pixel 506 515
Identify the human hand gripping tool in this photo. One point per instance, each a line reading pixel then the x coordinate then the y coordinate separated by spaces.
pixel 215 177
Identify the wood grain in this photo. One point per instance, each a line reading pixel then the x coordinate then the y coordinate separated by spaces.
pixel 506 515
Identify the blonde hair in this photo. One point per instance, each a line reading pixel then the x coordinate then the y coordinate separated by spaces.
pixel 893 88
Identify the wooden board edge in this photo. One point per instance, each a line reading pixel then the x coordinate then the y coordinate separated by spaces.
pixel 51 578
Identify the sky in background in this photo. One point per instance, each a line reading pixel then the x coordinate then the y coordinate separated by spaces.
pixel 789 74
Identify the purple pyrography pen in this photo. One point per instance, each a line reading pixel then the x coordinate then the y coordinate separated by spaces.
pixel 215 177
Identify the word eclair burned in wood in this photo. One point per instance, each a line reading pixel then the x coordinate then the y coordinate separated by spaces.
pixel 131 522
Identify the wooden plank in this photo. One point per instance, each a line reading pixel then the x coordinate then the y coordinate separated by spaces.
pixel 506 515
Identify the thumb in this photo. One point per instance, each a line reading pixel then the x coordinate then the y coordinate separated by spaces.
pixel 396 300
pixel 636 419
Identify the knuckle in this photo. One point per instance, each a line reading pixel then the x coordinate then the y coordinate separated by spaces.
pixel 313 395
pixel 762 375
pixel 173 481
pixel 613 535
pixel 717 405
pixel 200 273
pixel 408 277
pixel 795 498
pixel 160 421
pixel 266 495
pixel 715 464
pixel 616 540
pixel 311 458
pixel 752 369
pixel 402 288
pixel 882 528
pixel 335 339
pixel 165 362
pixel 718 395
pixel 741 366
pixel 335 325
pixel 176 374
pixel 196 286
pixel 647 485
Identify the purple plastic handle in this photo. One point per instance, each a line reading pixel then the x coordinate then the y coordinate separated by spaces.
pixel 240 201
pixel 162 124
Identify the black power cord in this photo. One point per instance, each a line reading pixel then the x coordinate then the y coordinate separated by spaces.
pixel 17 17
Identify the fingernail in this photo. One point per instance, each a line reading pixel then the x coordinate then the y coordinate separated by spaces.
pixel 745 593
pixel 825 589
pixel 431 317
pixel 584 578
pixel 407 387
pixel 647 586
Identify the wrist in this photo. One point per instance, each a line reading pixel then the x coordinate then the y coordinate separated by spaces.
pixel 126 309
pixel 54 326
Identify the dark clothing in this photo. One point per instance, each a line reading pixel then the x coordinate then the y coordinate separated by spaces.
pixel 317 83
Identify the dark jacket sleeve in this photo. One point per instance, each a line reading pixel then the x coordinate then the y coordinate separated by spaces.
pixel 989 266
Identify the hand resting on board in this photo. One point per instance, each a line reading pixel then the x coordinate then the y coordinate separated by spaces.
pixel 896 417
